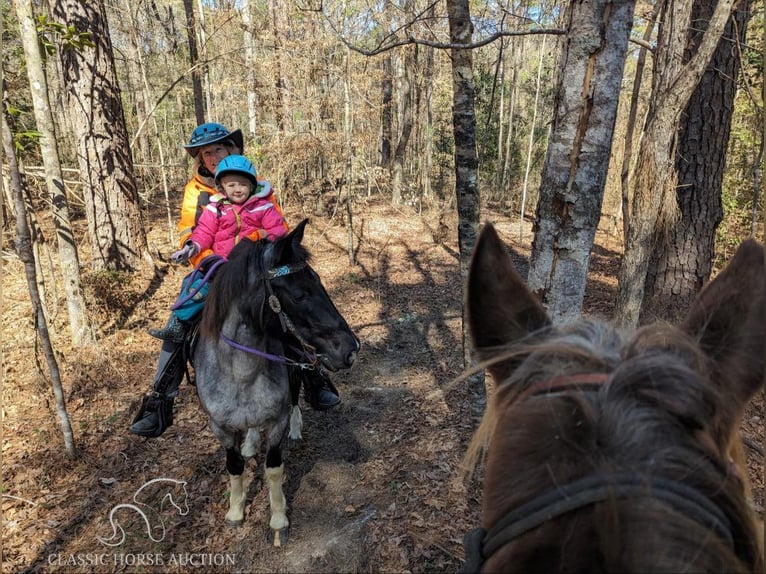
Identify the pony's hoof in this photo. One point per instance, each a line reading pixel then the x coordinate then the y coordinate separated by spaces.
pixel 280 537
pixel 233 523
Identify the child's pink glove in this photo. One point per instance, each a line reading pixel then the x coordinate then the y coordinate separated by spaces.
pixel 189 250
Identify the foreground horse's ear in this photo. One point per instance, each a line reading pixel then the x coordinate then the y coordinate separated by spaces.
pixel 500 307
pixel 727 318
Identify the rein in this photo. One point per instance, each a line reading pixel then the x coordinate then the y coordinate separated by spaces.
pixel 205 279
pixel 287 324
pixel 480 544
pixel 265 355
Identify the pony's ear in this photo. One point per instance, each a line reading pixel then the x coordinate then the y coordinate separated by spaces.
pixel 727 319
pixel 500 307
pixel 286 248
pixel 296 235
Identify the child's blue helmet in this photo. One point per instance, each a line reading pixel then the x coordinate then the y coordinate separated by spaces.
pixel 210 133
pixel 236 164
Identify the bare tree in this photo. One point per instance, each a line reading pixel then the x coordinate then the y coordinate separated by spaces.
pixel 464 130
pixel 114 220
pixel 23 241
pixel 572 187
pixel 196 76
pixel 654 180
pixel 683 257
pixel 69 261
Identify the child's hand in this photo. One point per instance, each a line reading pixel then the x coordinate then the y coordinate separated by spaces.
pixel 189 250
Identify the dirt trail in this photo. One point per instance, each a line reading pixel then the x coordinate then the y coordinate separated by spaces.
pixel 373 486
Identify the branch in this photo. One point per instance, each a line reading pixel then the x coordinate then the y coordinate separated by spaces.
pixel 450 46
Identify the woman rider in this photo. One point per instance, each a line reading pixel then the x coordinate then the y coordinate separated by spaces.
pixel 208 145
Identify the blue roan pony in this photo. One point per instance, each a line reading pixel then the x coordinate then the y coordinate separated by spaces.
pixel 265 295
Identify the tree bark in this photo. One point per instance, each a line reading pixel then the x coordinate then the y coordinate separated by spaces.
pixel 404 98
pixel 111 197
pixel 654 207
pixel 386 111
pixel 530 145
pixel 69 260
pixel 464 129
pixel 250 67
pixel 196 76
pixel 23 242
pixel 576 163
pixel 627 155
pixel 682 260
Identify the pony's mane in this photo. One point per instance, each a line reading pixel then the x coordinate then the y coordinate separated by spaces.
pixel 247 264
pixel 656 388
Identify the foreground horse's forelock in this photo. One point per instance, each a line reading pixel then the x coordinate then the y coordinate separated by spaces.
pixel 264 301
pixel 611 451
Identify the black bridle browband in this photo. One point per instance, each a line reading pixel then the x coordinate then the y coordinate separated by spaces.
pixel 480 544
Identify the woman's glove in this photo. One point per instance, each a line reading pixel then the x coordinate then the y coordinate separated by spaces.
pixel 189 250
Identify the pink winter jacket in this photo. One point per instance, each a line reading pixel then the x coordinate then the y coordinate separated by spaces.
pixel 223 224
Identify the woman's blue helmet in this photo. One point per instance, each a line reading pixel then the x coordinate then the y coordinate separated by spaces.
pixel 210 133
pixel 236 164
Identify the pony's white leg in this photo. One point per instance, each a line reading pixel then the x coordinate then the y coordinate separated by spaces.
pixel 296 423
pixel 278 522
pixel 251 444
pixel 236 499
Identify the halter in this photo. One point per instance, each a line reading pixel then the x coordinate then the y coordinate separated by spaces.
pixel 480 544
pixel 287 325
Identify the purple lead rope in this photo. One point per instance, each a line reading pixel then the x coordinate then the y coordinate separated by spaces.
pixel 196 289
pixel 265 355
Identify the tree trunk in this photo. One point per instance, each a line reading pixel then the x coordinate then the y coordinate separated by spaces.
pixel 682 260
pixel 426 141
pixel 23 243
pixel 576 163
pixel 280 84
pixel 137 71
pixel 404 93
pixel 505 181
pixel 530 146
pixel 348 172
pixel 386 111
pixel 69 261
pixel 654 207
pixel 627 155
pixel 464 129
pixel 250 67
pixel 202 60
pixel 196 76
pixel 111 197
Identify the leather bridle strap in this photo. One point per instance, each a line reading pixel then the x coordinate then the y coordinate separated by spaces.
pixel 569 382
pixel 287 324
pixel 590 490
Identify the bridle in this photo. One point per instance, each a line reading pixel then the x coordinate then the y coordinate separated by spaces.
pixel 480 544
pixel 307 350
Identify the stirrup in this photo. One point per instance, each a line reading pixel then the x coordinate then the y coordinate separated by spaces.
pixel 159 405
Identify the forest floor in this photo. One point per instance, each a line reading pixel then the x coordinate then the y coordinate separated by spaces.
pixel 375 484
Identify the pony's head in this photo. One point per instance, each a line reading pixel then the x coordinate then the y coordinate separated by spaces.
pixel 609 451
pixel 276 291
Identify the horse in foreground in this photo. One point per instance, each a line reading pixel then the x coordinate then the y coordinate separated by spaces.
pixel 614 452
pixel 264 295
